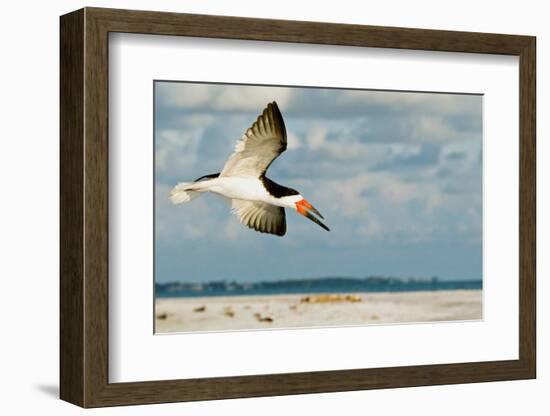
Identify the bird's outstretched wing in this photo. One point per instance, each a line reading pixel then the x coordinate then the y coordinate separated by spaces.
pixel 262 217
pixel 259 146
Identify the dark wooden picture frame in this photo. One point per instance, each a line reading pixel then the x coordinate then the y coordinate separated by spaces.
pixel 84 207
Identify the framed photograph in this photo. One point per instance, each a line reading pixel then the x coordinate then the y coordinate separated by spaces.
pixel 255 207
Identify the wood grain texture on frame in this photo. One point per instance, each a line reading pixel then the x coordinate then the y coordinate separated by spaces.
pixel 84 207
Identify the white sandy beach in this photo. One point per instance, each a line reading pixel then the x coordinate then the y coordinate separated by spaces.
pixel 286 311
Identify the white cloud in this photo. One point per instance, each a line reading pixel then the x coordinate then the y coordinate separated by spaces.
pixel 176 148
pixel 370 228
pixel 221 97
pixel 185 95
pixel 316 137
pixel 442 104
pixel 251 99
pixel 385 208
pixel 293 141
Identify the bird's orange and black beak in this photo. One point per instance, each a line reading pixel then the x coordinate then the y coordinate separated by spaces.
pixel 306 209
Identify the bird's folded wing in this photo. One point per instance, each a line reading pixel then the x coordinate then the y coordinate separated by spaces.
pixel 259 146
pixel 260 216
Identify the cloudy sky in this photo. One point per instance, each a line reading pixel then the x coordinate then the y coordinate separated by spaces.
pixel 397 176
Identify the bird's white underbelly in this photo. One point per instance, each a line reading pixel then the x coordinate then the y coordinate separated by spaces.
pixel 250 189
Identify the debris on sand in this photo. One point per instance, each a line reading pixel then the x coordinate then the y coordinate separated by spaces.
pixel 200 309
pixel 261 318
pixel 330 298
pixel 162 316
pixel 228 311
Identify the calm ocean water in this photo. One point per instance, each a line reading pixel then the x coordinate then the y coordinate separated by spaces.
pixel 322 285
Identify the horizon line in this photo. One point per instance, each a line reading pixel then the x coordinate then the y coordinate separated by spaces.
pixel 417 278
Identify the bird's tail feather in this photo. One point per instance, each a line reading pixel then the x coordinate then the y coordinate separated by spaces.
pixel 180 193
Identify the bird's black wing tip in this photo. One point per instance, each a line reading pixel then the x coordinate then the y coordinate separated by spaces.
pixel 273 105
pixel 273 108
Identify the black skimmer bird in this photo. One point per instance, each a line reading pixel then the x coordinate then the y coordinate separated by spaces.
pixel 258 202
